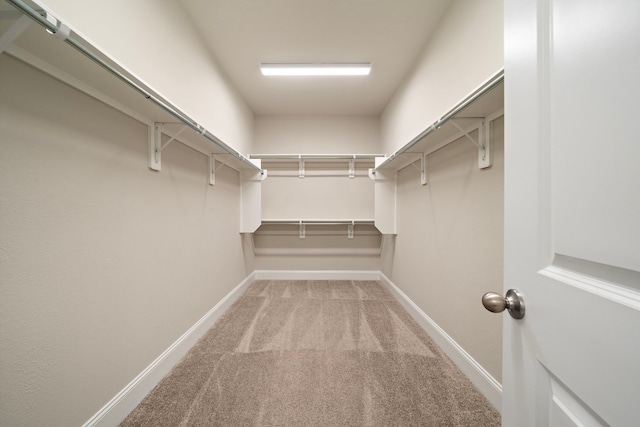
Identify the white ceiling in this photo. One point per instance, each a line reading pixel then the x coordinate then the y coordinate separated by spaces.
pixel 244 33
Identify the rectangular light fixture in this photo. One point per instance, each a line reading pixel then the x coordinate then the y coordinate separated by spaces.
pixel 315 69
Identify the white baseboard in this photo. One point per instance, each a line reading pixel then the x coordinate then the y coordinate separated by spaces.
pixel 479 376
pixel 129 397
pixel 316 275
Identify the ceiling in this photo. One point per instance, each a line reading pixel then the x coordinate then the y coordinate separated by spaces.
pixel 390 34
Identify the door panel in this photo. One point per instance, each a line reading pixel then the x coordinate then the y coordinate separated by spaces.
pixel 593 98
pixel 568 411
pixel 572 212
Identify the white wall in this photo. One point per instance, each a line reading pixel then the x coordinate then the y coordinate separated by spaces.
pixel 289 197
pixel 464 51
pixel 104 264
pixel 325 197
pixel 317 135
pixel 317 197
pixel 449 247
pixel 448 250
pixel 169 56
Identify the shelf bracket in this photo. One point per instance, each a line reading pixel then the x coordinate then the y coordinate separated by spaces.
pixel 212 169
pixel 485 158
pixel 302 230
pixel 156 147
pixel 423 169
pixel 300 168
pixel 350 230
pixel 154 160
pixel 173 138
pixel 352 167
pixel 484 145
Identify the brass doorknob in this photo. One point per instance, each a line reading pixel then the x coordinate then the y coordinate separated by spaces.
pixel 496 303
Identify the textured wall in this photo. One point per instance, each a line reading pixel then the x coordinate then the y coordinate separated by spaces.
pixel 463 52
pixel 449 247
pixel 104 264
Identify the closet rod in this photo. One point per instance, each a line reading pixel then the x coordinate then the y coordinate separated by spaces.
pixel 493 81
pixel 317 222
pixel 314 156
pixel 35 15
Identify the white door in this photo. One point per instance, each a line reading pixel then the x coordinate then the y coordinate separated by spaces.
pixel 572 212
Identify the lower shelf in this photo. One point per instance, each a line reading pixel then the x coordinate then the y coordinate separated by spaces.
pixel 313 237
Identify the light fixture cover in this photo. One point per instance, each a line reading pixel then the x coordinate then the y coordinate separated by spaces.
pixel 315 69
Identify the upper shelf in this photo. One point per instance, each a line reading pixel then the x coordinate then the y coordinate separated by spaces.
pixel 350 165
pixel 314 157
pixel 486 100
pixel 92 72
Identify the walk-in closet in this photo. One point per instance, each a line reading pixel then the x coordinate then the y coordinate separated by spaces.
pixel 186 239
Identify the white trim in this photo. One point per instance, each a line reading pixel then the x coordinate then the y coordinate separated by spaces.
pixel 595 286
pixel 479 376
pixel 129 397
pixel 316 275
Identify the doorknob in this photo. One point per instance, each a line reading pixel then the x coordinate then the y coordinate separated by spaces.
pixel 512 302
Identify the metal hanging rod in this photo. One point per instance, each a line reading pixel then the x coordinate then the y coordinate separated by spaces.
pixel 315 156
pixel 62 33
pixel 493 81
pixel 318 222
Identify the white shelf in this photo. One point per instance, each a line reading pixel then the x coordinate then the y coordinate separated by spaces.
pixel 483 104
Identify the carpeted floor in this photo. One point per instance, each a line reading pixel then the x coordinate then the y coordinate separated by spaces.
pixel 315 353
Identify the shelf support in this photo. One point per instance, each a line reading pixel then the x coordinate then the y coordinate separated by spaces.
pixel 300 167
pixel 485 158
pixel 350 230
pixel 173 138
pixel 352 167
pixel 152 163
pixel 483 145
pixel 156 147
pixel 423 169
pixel 302 230
pixel 212 170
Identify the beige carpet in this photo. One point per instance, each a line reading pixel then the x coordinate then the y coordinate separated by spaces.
pixel 315 353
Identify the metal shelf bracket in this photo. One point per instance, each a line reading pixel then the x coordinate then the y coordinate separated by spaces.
pixel 352 167
pixel 302 230
pixel 485 158
pixel 483 145
pixel 212 170
pixel 300 168
pixel 156 147
pixel 350 230
pixel 423 169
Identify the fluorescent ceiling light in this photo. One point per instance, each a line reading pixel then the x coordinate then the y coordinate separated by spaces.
pixel 315 69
